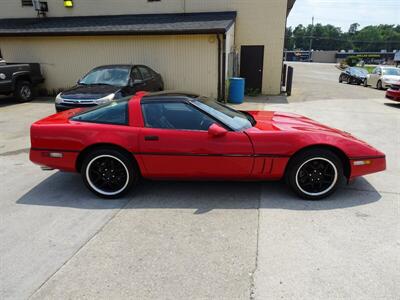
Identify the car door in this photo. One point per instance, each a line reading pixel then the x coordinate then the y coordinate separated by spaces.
pixel 374 77
pixel 136 82
pixel 148 80
pixel 175 143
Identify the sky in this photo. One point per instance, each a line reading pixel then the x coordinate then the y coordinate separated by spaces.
pixel 342 13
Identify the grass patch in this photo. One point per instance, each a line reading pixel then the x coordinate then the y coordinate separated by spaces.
pixel 369 68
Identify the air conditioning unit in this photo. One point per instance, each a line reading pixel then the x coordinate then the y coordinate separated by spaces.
pixel 41 7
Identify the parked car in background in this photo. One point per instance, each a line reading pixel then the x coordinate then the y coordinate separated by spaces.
pixel 353 75
pixel 182 136
pixel 383 77
pixel 393 92
pixel 107 83
pixel 397 59
pixel 19 79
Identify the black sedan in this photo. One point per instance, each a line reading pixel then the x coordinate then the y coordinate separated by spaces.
pixel 107 83
pixel 354 75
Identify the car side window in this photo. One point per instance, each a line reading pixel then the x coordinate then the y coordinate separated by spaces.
pixel 146 74
pixel 115 113
pixel 175 115
pixel 375 71
pixel 135 75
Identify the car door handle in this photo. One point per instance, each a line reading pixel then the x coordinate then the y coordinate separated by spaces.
pixel 151 138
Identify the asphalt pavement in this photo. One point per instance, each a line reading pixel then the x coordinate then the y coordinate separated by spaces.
pixel 206 240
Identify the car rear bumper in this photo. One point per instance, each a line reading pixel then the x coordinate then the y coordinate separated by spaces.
pixel 366 165
pixel 393 94
pixel 64 160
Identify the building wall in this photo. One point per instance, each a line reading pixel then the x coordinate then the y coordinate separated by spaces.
pixel 259 22
pixel 324 56
pixel 179 59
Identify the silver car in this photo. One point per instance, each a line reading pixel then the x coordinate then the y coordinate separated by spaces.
pixel 382 77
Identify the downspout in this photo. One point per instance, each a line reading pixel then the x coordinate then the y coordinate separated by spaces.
pixel 224 69
pixel 219 67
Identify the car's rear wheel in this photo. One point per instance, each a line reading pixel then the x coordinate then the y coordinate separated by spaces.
pixel 315 174
pixel 109 173
pixel 341 78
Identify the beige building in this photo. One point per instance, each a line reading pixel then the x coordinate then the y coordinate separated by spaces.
pixel 195 44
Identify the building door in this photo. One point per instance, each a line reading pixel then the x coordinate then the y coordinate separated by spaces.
pixel 251 66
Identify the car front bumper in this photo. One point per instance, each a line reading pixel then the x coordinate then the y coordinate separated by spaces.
pixel 393 94
pixel 361 166
pixel 387 84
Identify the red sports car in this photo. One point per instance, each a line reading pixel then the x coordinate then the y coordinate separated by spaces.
pixel 187 137
pixel 393 92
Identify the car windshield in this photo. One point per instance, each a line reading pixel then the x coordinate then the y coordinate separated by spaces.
pixel 359 71
pixel 391 71
pixel 106 76
pixel 236 120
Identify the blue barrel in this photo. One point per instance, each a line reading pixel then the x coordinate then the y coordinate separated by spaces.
pixel 236 90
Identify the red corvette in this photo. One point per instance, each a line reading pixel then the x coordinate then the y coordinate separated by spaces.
pixel 182 136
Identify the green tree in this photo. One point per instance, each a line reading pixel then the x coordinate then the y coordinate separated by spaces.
pixel 329 37
pixel 353 28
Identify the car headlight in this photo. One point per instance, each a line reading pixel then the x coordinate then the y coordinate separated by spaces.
pixel 105 99
pixel 59 99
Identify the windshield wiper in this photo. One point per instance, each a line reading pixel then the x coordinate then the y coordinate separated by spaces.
pixel 100 83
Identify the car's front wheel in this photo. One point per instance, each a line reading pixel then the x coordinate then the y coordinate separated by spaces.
pixel 109 173
pixel 315 174
pixel 23 91
pixel 379 85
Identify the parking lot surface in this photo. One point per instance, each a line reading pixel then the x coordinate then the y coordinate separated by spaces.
pixel 206 240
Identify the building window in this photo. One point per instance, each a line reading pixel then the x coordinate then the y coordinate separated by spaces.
pixel 26 3
pixel 153 0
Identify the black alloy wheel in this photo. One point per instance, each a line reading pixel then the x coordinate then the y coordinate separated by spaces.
pixel 109 173
pixel 315 174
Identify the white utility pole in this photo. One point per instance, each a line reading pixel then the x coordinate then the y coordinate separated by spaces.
pixel 311 38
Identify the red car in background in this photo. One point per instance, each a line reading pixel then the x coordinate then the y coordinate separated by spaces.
pixel 166 136
pixel 393 93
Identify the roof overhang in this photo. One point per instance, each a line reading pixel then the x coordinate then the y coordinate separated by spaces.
pixel 290 5
pixel 149 24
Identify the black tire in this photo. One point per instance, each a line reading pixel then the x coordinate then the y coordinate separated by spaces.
pixel 315 174
pixel 379 85
pixel 109 173
pixel 23 91
pixel 341 78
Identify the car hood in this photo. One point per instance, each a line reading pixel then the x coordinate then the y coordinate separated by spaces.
pixel 282 121
pixel 79 92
